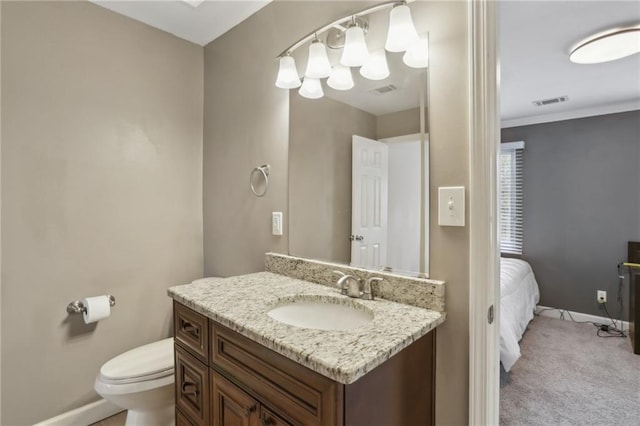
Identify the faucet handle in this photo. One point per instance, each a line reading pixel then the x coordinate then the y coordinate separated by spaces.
pixel 367 293
pixel 340 283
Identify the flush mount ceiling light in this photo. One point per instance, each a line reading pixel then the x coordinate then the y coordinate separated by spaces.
pixel 348 33
pixel 607 46
pixel 193 3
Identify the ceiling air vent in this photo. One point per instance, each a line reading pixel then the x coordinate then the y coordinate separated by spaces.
pixel 550 101
pixel 383 89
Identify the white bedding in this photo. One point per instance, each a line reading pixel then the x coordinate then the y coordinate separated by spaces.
pixel 519 296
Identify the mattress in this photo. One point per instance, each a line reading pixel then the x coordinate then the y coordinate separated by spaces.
pixel 519 295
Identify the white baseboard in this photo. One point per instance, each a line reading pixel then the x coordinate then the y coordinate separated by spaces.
pixel 546 311
pixel 84 415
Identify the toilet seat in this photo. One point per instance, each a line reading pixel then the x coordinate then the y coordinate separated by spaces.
pixel 144 363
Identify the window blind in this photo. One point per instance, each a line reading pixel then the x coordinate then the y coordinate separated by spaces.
pixel 511 197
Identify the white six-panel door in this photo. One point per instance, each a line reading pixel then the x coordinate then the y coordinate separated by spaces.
pixel 369 194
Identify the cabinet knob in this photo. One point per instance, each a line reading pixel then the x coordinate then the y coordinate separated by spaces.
pixel 267 421
pixel 251 409
pixel 189 388
pixel 189 328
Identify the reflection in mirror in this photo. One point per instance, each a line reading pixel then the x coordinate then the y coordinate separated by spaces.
pixel 358 166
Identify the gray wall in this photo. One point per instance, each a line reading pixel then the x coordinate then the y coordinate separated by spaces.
pixel 581 205
pixel 246 123
pixel 320 175
pixel 101 193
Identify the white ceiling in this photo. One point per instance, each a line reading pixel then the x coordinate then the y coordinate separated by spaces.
pixel 199 24
pixel 536 38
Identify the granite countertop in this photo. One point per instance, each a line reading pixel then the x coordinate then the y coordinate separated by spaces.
pixel 242 302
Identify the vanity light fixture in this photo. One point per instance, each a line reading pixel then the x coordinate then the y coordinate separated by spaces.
pixel 417 55
pixel 402 33
pixel 355 52
pixel 376 67
pixel 607 46
pixel 287 73
pixel 348 33
pixel 341 78
pixel 311 88
pixel 318 65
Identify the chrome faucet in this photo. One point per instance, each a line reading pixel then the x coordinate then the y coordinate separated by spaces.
pixel 355 287
pixel 366 291
pixel 350 286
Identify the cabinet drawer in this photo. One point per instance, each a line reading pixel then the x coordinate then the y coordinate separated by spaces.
pixel 191 330
pixel 191 387
pixel 307 397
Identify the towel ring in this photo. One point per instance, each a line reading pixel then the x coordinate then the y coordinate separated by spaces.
pixel 264 171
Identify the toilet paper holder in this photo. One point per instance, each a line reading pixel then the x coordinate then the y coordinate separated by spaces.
pixel 77 307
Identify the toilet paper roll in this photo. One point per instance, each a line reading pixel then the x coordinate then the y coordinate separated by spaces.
pixel 96 309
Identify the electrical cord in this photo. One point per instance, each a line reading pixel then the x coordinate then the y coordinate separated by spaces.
pixel 612 329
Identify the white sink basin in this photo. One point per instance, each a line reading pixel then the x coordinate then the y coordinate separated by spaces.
pixel 325 314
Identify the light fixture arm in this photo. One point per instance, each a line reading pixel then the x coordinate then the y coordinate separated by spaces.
pixel 337 23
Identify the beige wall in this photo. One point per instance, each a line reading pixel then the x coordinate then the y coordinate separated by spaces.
pixel 449 166
pixel 101 193
pixel 399 123
pixel 320 175
pixel 246 124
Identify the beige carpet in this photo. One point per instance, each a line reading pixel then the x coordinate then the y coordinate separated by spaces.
pixel 569 376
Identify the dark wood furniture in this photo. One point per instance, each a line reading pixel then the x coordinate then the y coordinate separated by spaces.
pixel 633 256
pixel 223 378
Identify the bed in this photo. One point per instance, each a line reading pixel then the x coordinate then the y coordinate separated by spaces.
pixel 519 296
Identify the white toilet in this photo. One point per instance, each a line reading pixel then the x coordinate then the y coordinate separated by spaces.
pixel 141 381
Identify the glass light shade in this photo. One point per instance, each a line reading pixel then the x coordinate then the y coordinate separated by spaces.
pixel 355 51
pixel 375 68
pixel 311 88
pixel 341 78
pixel 417 55
pixel 287 74
pixel 318 65
pixel 402 33
pixel 608 47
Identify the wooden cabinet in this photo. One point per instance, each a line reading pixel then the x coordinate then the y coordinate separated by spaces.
pixel 227 379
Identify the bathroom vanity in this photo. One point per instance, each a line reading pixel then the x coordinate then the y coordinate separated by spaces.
pixel 236 365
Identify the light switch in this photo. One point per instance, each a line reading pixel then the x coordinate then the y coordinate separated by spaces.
pixel 276 223
pixel 451 206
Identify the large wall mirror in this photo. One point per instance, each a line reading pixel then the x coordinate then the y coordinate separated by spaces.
pixel 359 165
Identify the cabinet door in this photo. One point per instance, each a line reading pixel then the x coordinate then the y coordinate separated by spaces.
pixel 230 405
pixel 191 387
pixel 268 418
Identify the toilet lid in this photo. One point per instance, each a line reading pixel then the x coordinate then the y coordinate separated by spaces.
pixel 142 363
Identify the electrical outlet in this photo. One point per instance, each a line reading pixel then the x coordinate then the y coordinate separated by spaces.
pixel 602 296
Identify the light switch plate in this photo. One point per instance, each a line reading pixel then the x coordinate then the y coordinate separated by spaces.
pixel 451 206
pixel 276 223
